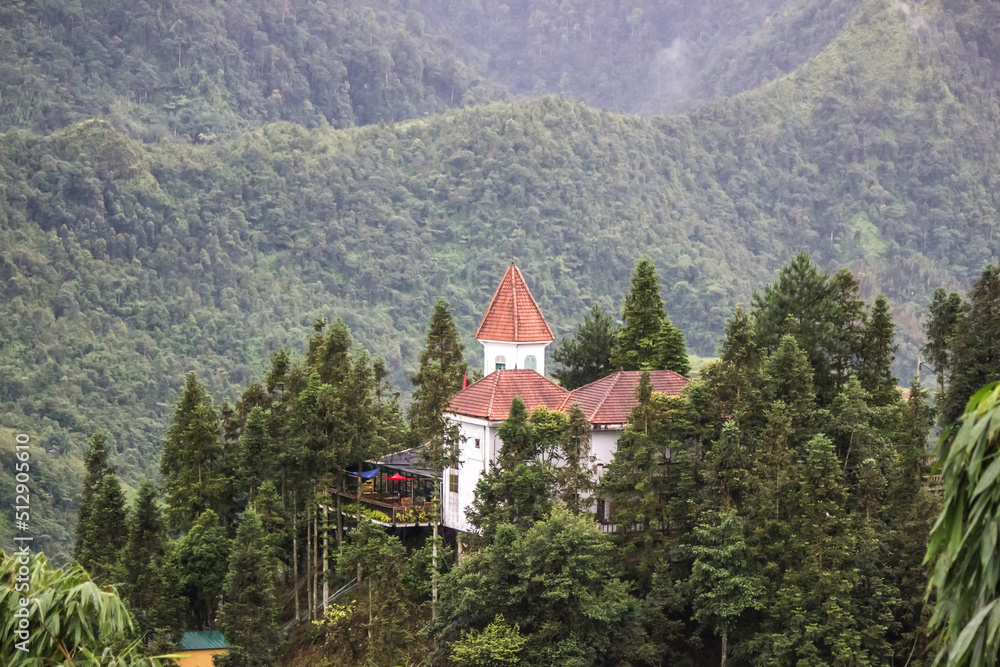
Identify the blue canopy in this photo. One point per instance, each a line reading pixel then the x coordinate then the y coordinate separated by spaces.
pixel 368 474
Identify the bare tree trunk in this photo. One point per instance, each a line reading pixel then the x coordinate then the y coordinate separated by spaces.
pixel 326 547
pixel 340 517
pixel 295 553
pixel 315 555
pixel 309 590
pixel 725 648
pixel 434 555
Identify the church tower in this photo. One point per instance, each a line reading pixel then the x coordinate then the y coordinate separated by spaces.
pixel 513 332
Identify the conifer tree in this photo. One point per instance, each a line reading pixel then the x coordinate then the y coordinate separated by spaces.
pixel 191 456
pixel 723 588
pixel 103 533
pixel 142 559
pixel 877 354
pixel 975 358
pixel 442 370
pixel 517 436
pixel 96 466
pixel 788 377
pixel 801 303
pixel 201 556
pixel 642 318
pixel 248 616
pixel 586 357
pixel 257 456
pixel 670 349
pixel 946 312
pixel 575 476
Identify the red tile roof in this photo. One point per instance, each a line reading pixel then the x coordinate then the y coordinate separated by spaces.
pixel 490 398
pixel 513 315
pixel 610 400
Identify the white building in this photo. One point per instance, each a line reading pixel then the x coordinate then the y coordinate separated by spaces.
pixel 514 335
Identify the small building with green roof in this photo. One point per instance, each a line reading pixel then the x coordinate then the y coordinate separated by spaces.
pixel 199 648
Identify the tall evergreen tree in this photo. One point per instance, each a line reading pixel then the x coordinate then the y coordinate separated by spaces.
pixel 103 533
pixel 586 357
pixel 200 557
pixel 440 376
pixel 257 456
pixel 575 476
pixel 723 589
pixel 670 349
pixel 96 466
pixel 802 303
pixel 945 315
pixel 248 616
pixel 191 456
pixel 975 358
pixel 642 318
pixel 142 559
pixel 877 354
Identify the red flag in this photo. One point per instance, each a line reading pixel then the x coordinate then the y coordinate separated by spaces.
pixel 465 380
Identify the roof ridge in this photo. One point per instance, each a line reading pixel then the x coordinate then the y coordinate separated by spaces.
pixel 514 273
pixel 611 385
pixel 493 391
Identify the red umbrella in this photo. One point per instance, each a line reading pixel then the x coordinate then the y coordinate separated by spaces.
pixel 396 477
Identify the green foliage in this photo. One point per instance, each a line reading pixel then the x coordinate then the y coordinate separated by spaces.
pixel 499 645
pixel 442 370
pixel 962 545
pixel 200 558
pixel 103 532
pixel 642 320
pixel 670 349
pixel 586 357
pixel 249 612
pixel 559 583
pixel 975 352
pixel 70 618
pixel 190 456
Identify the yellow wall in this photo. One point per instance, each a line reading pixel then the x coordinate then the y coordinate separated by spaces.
pixel 202 658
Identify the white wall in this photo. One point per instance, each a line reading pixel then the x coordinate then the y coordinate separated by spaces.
pixel 473 463
pixel 514 355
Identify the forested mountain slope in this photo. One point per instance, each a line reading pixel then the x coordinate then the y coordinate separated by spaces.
pixel 124 264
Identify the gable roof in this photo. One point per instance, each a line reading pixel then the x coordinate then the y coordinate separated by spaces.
pixel 610 400
pixel 490 398
pixel 199 641
pixel 513 315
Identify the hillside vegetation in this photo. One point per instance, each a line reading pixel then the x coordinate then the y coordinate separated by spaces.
pixel 126 263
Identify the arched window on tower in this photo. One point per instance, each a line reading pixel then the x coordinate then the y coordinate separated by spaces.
pixel 530 363
pixel 501 362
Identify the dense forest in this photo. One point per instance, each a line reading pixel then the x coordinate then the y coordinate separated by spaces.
pixel 776 512
pixel 190 190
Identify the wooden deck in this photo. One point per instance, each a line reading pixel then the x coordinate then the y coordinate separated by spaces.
pixel 400 515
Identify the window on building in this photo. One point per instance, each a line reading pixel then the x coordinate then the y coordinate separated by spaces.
pixel 477 443
pixel 453 482
pixel 600 510
pixel 501 362
pixel 530 363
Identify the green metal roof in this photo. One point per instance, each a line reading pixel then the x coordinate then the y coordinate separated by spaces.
pixel 198 641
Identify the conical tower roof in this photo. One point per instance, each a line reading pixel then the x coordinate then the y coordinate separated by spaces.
pixel 513 315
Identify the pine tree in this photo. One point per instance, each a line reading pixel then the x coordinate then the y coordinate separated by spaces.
pixel 586 357
pixel 802 303
pixel 788 377
pixel 517 436
pixel 576 474
pixel 670 349
pixel 142 559
pixel 877 354
pixel 442 369
pixel 723 590
pixel 104 532
pixel 200 557
pixel 257 455
pixel 96 466
pixel 946 312
pixel 191 456
pixel 248 616
pixel 975 357
pixel 642 318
